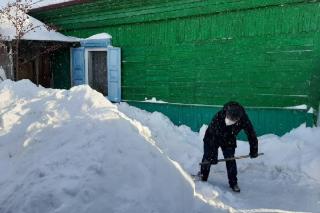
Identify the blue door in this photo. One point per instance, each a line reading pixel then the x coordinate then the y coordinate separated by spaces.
pixel 78 70
pixel 114 74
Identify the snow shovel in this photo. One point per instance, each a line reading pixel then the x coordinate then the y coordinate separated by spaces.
pixel 227 159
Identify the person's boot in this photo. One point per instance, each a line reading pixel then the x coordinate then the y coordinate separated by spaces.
pixel 235 188
pixel 204 178
pixel 200 177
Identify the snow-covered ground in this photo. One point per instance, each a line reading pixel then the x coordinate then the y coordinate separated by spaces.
pixel 65 151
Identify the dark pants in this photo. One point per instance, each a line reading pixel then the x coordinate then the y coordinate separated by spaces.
pixel 211 153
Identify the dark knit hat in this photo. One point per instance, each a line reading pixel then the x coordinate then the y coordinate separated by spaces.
pixel 234 111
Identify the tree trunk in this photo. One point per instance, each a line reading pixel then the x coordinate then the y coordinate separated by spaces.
pixel 17 60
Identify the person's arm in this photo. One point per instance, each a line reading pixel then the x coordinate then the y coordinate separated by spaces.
pixel 214 128
pixel 211 130
pixel 251 134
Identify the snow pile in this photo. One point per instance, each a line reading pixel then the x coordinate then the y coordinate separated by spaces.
pixel 297 151
pixel 73 151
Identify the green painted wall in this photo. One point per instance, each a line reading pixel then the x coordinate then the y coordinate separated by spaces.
pixel 262 53
pixel 265 120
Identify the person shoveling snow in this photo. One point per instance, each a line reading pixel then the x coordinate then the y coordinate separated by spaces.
pixel 286 179
pixel 222 132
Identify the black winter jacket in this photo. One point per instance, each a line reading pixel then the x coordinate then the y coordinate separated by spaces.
pixel 218 134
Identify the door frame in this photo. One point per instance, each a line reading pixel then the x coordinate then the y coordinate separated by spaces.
pixel 86 58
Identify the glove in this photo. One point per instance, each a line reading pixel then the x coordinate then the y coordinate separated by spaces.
pixel 253 151
pixel 253 155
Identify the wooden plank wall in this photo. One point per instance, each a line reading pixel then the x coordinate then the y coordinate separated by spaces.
pixel 262 53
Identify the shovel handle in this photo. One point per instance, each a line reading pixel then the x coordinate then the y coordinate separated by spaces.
pixel 228 159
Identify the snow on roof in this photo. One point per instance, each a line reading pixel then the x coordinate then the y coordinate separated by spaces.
pixel 44 3
pixel 100 36
pixel 41 33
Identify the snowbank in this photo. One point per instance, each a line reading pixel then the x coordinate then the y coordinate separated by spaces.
pixel 297 150
pixel 73 151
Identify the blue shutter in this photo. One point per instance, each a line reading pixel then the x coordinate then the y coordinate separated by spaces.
pixel 114 74
pixel 78 75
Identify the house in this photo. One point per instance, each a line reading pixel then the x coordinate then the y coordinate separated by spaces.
pixel 198 55
pixel 37 51
pixel 43 56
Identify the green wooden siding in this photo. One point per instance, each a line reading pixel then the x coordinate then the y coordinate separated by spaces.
pixel 262 53
pixel 267 120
